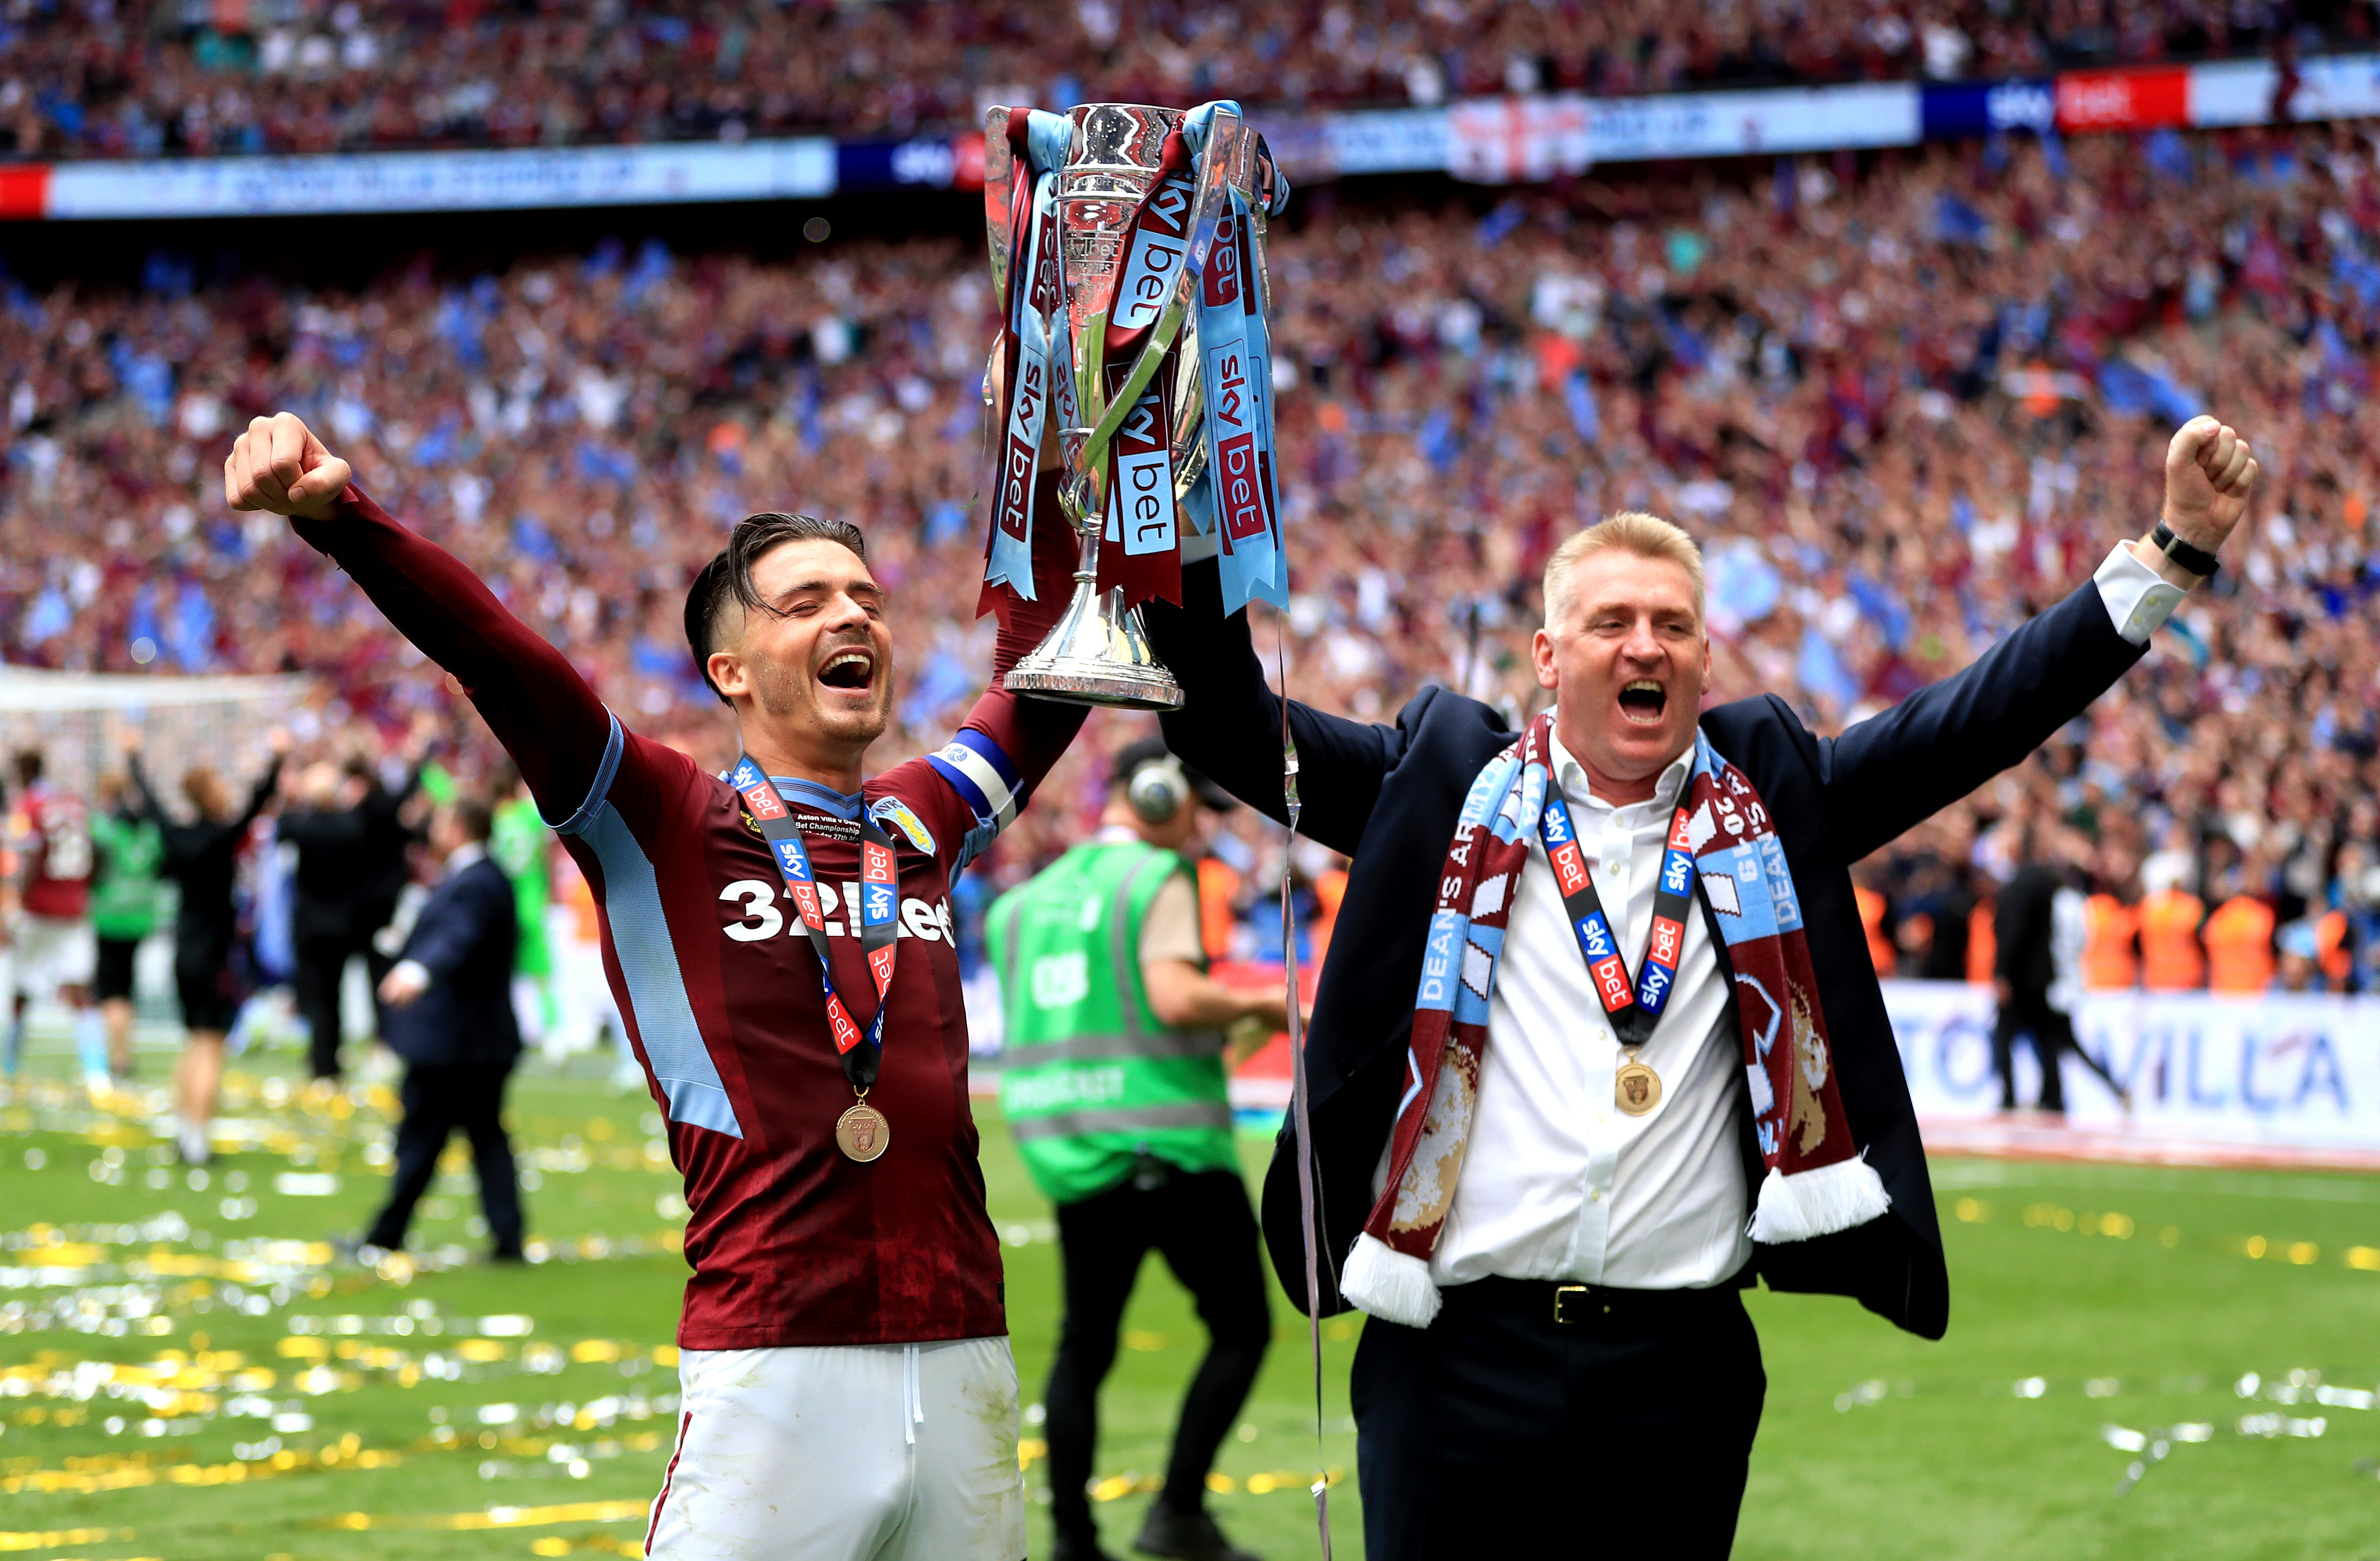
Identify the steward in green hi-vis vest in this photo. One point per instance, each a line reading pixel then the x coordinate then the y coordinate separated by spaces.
pixel 1092 1079
pixel 1112 1080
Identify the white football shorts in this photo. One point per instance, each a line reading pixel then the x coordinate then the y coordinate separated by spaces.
pixel 51 952
pixel 893 1452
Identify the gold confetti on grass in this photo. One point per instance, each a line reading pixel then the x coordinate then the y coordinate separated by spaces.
pixel 50 1539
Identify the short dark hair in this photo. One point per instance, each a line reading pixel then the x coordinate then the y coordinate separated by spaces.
pixel 728 577
pixel 473 817
pixel 29 765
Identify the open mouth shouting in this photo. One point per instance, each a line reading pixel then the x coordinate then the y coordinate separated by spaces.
pixel 1643 702
pixel 851 670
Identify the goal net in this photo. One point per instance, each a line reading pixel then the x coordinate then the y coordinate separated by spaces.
pixel 80 722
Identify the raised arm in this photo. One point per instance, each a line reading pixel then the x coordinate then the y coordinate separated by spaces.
pixel 1228 726
pixel 145 798
pixel 1895 769
pixel 534 701
pixel 1892 770
pixel 260 796
pixel 1030 733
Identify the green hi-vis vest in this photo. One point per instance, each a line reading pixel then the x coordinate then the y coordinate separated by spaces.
pixel 1090 1079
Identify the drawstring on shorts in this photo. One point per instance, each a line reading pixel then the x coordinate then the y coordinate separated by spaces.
pixel 913 1399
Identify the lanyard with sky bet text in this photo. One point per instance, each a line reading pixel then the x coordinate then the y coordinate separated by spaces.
pixel 1634 1008
pixel 862 1132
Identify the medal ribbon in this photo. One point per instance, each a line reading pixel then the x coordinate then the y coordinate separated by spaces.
pixel 1633 1007
pixel 879 895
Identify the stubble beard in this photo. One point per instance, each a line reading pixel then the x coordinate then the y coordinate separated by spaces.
pixel 788 698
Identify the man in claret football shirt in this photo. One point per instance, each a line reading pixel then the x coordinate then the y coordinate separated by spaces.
pixel 55 954
pixel 847 1388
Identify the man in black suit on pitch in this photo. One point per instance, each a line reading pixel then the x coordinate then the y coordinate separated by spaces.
pixel 449 1006
pixel 1646 908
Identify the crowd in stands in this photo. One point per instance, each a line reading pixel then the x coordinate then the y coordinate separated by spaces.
pixel 137 77
pixel 1905 405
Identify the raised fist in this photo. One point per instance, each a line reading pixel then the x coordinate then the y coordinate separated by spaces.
pixel 2208 472
pixel 278 466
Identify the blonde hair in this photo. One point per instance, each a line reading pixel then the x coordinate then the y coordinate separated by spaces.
pixel 1631 531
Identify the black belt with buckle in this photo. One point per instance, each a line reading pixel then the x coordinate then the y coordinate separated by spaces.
pixel 1574 1305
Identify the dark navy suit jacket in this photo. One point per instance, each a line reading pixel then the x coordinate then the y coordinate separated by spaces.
pixel 464 937
pixel 1388 798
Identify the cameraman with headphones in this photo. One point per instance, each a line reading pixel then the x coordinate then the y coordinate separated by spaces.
pixel 1113 1083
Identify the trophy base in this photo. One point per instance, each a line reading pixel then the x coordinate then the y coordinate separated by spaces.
pixel 1097 654
pixel 1101 684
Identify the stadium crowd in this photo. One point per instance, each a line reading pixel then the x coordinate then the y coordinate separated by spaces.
pixel 1904 406
pixel 96 79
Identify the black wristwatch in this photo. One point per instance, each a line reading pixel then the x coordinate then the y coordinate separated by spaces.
pixel 2197 560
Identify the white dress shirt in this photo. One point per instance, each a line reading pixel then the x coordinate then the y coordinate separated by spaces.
pixel 1556 1182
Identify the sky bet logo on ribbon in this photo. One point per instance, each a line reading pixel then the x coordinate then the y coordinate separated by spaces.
pixel 1022 446
pixel 1667 937
pixel 1157 246
pixel 846 1035
pixel 1677 872
pixel 791 859
pixel 1612 980
pixel 1569 862
pixel 1603 961
pixel 1141 502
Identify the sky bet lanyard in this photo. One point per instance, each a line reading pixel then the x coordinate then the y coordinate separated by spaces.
pixel 861 1132
pixel 1633 1010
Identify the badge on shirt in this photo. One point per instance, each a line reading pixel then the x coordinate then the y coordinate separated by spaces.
pixel 894 812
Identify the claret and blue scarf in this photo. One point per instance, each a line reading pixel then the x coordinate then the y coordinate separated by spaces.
pixel 1817 1181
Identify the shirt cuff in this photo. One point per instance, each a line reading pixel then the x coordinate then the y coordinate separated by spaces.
pixel 414 972
pixel 2139 600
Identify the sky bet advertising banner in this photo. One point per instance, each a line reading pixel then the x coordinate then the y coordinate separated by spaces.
pixel 2280 1071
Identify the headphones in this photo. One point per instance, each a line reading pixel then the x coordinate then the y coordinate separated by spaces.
pixel 1158 789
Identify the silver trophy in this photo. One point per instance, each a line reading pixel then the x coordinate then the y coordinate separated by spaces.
pixel 1099 653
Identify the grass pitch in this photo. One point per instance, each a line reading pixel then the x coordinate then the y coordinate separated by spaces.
pixel 185 1376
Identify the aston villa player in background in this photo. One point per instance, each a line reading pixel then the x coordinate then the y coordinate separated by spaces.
pixel 781 950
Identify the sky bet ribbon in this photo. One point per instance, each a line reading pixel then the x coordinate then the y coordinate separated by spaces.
pixel 879 896
pixel 1031 367
pixel 1236 491
pixel 1035 365
pixel 1633 1013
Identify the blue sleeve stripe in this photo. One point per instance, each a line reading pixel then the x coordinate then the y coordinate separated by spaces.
pixel 969 793
pixel 979 840
pixel 599 789
pixel 674 1047
pixel 993 754
pixel 967 762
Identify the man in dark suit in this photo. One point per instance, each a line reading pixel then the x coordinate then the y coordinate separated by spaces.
pixel 2034 979
pixel 1553 1245
pixel 450 1017
pixel 352 841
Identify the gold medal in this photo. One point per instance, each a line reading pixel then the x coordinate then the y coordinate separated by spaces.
pixel 1636 1087
pixel 862 1133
